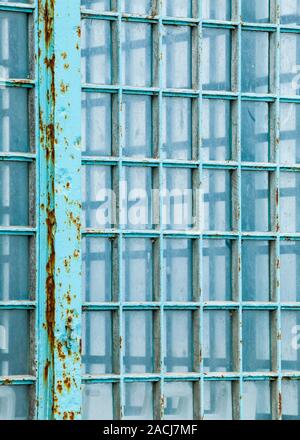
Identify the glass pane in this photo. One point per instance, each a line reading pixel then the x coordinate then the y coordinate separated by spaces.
pixel 216 55
pixel 178 199
pixel 138 269
pixel 14 268
pixel 96 124
pixel 14 130
pixel 216 200
pixel 136 54
pixel 98 5
pixel 257 401
pixel 216 129
pixel 255 201
pixel 289 133
pixel 255 131
pixel 290 337
pixel 178 400
pixel 14 402
pixel 255 270
pixel 290 271
pixel 291 399
pixel 14 210
pixel 97 401
pixel 14 47
pixel 217 400
pixel 290 12
pixel 216 9
pixel 138 334
pixel 177 128
pixel 96 51
pixel 137 6
pixel 178 329
pixel 137 113
pixel 178 8
pixel 255 62
pixel 14 343
pixel 290 61
pixel 98 199
pixel 178 264
pixel 97 343
pixel 96 269
pixel 289 202
pixel 217 337
pixel 256 341
pixel 139 197
pixel 177 55
pixel 217 267
pixel 255 11
pixel 138 401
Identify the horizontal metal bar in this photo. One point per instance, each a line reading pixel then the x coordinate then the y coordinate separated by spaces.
pixel 21 83
pixel 17 157
pixel 17 380
pixel 17 7
pixel 17 230
pixel 13 305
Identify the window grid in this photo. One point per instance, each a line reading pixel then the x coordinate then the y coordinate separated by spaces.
pixel 236 235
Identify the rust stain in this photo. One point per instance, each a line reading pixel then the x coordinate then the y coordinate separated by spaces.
pixel 60 351
pixel 78 31
pixel 48 18
pixel 69 415
pixel 50 64
pixel 46 370
pixel 279 405
pixel 59 386
pixel 67 383
pixel 64 87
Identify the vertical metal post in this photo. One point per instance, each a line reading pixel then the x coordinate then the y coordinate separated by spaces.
pixel 59 360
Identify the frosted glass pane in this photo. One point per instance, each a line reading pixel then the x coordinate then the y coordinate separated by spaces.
pixel 178 8
pixel 137 113
pixel 217 337
pixel 255 62
pixel 255 270
pixel 137 6
pixel 290 271
pixel 216 55
pixel 14 45
pixel 289 202
pixel 255 131
pixel 255 201
pixel 136 54
pixel 97 402
pixel 290 337
pixel 98 5
pixel 177 204
pixel 256 341
pixel 289 133
pixel 139 197
pixel 98 199
pixel 290 12
pixel 138 269
pixel 177 56
pixel 178 400
pixel 14 210
pixel 216 187
pixel 216 130
pixel 216 9
pixel 14 343
pixel 217 400
pixel 255 11
pixel 97 343
pixel 14 402
pixel 14 130
pixel 291 399
pixel 138 334
pixel 96 51
pixel 177 128
pixel 178 341
pixel 217 270
pixel 96 269
pixel 257 401
pixel 138 401
pixel 96 124
pixel 290 61
pixel 178 264
pixel 14 268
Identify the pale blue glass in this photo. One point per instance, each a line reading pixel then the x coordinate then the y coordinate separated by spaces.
pixel 14 402
pixel 178 401
pixel 136 6
pixel 255 11
pixel 255 270
pixel 290 271
pixel 138 401
pixel 97 401
pixel 289 148
pixel 218 400
pixel 255 131
pixel 216 9
pixel 289 202
pixel 178 8
pixel 290 399
pixel 255 62
pixel 216 190
pixel 257 400
pixel 257 341
pixel 290 61
pixel 290 12
pixel 255 201
pixel 290 337
pixel 178 343
pixel 97 5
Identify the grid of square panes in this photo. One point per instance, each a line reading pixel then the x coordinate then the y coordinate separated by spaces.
pixel 17 207
pixel 161 286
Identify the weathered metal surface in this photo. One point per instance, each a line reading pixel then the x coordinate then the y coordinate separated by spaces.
pixel 59 380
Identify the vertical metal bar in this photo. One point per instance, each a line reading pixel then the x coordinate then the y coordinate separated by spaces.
pixel 59 378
